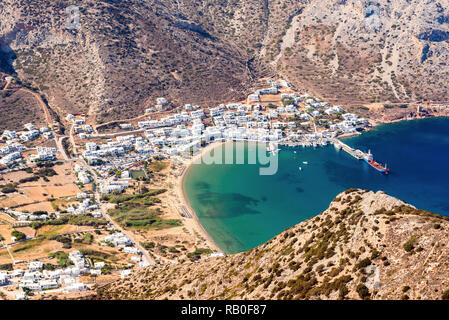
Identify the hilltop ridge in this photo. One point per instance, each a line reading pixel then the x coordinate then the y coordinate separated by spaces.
pixel 366 245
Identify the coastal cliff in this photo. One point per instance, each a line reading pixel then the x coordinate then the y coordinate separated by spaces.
pixel 366 245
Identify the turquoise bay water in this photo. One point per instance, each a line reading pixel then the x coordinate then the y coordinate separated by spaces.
pixel 241 209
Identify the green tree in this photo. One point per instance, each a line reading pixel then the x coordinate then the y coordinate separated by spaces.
pixel 363 292
pixel 18 235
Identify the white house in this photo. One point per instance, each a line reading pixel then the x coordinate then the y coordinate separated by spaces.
pixel 3 279
pixel 18 273
pixel 9 134
pixel 75 287
pixel 82 195
pixel 21 295
pixel 284 83
pixel 132 250
pixel 35 266
pixel 255 97
pixel 10 158
pixel 91 146
pixel 125 273
pixel 48 135
pixel 113 186
pixel 48 284
pixel 97 214
pixel 125 175
pixel 30 127
pixel 30 135
pixel 162 101
pixel 83 177
pixel 315 113
pixel 143 264
pixel 118 239
pixel 95 272
pixel 30 284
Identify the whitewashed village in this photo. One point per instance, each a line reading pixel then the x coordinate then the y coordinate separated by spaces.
pixel 271 115
pixel 302 120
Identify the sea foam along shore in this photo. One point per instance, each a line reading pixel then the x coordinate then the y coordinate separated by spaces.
pixel 184 201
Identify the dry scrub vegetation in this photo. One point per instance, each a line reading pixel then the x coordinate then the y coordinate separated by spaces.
pixel 364 246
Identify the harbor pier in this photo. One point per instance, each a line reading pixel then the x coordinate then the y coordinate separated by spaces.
pixel 356 153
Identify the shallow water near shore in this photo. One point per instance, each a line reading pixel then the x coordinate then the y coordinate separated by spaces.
pixel 241 209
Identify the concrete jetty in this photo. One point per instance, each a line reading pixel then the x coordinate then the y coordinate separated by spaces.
pixel 356 153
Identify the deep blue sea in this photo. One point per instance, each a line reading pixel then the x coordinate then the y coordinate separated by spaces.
pixel 241 209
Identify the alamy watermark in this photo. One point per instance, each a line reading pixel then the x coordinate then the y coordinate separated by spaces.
pixel 263 154
pixel 73 17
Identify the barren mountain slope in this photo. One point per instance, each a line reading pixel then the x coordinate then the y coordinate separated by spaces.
pixel 365 245
pixel 354 51
pixel 20 105
pixel 123 55
pixel 126 53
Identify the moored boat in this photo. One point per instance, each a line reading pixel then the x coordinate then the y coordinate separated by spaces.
pixel 376 165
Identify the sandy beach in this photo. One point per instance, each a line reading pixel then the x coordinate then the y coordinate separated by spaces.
pixel 180 192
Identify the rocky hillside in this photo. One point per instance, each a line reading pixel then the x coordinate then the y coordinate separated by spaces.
pixel 124 54
pixel 357 51
pixel 366 245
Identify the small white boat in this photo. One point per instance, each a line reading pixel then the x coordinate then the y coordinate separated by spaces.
pixel 300 169
pixel 305 162
pixel 294 151
pixel 272 149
